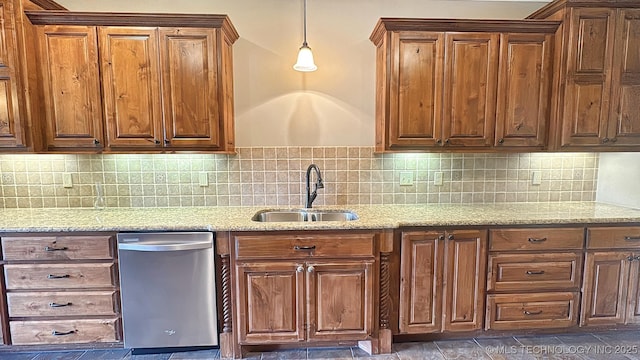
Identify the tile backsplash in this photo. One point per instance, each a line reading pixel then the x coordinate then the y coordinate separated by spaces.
pixel 274 176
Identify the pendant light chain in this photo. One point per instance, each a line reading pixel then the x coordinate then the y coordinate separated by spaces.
pixel 304 22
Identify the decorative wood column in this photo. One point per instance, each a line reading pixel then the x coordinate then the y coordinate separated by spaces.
pixel 386 249
pixel 227 346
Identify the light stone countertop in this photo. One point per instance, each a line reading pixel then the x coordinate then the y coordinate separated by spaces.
pixel 370 217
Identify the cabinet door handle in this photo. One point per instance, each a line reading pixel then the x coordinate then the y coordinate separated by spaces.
pixel 451 237
pixel 605 140
pixel 303 248
pixel 96 142
pixel 632 238
pixel 535 240
pixel 65 276
pixel 310 269
pixel 167 141
pixel 300 268
pixel 441 237
pixel 61 333
pixel 56 305
pixel 630 258
pixel 637 258
pixel 532 272
pixel 53 248
pixel 501 141
pixel 439 142
pixel 527 312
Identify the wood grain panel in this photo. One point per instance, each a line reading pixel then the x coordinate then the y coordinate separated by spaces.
pixel 270 302
pixel 541 239
pixel 421 282
pixel 532 311
pixel 188 59
pixel 72 97
pixel 534 272
pixel 64 331
pixel 340 300
pixel 303 246
pixel 465 279
pixel 627 237
pixel 76 247
pixel 605 289
pixel 60 276
pixel 633 307
pixel 131 86
pixel 75 303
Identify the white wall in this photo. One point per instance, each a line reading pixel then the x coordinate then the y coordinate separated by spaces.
pixel 334 106
pixel 619 179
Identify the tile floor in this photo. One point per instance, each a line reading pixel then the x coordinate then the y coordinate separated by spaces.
pixel 618 345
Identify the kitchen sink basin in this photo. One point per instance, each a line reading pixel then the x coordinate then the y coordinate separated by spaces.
pixel 304 215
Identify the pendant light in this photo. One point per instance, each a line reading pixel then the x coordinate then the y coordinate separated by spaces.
pixel 305 56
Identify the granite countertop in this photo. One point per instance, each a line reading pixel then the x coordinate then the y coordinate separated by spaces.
pixel 370 217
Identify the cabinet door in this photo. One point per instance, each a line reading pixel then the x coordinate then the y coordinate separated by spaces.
pixel 470 80
pixel 415 115
pixel 633 312
pixel 588 81
pixel 69 65
pixel 421 267
pixel 464 279
pixel 188 58
pixel 270 302
pixel 340 299
pixel 11 129
pixel 624 119
pixel 524 90
pixel 604 289
pixel 131 86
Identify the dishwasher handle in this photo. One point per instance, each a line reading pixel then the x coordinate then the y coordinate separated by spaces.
pixel 159 246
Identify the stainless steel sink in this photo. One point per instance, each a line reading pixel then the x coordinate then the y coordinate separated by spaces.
pixel 304 215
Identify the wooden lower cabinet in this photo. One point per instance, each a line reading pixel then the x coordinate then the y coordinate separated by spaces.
pixel 442 280
pixel 532 311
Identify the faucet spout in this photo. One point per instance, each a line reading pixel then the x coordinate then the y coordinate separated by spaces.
pixel 311 196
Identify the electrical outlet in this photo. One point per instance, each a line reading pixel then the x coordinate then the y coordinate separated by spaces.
pixel 203 178
pixel 67 181
pixel 406 178
pixel 437 178
pixel 536 178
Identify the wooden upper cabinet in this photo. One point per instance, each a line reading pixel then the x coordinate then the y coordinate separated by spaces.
pixel 462 84
pixel 166 80
pixel 12 131
pixel 71 86
pixel 470 81
pixel 190 87
pixel 524 90
pixel 131 86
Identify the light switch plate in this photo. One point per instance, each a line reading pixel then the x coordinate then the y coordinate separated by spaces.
pixel 437 178
pixel 203 179
pixel 406 178
pixel 67 181
pixel 536 178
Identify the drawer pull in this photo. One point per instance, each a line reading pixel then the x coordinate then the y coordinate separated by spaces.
pixel 50 248
pixel 531 272
pixel 62 333
pixel 527 312
pixel 632 238
pixel 56 305
pixel 534 240
pixel 298 247
pixel 65 276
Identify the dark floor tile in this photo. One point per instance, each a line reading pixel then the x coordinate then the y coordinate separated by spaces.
pixel 461 350
pixel 112 354
pixel 418 351
pixel 360 354
pixel 622 342
pixel 590 347
pixel 194 355
pixel 17 356
pixel 295 354
pixel 130 356
pixel 329 354
pixel 59 355
pixel 504 348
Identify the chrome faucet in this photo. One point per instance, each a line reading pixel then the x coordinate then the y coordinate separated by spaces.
pixel 318 185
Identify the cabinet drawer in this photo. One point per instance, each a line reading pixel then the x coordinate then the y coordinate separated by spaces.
pixel 101 303
pixel 304 246
pixel 59 276
pixel 64 331
pixel 57 247
pixel 613 237
pixel 532 311
pixel 536 239
pixel 534 272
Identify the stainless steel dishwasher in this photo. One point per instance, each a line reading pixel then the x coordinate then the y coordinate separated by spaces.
pixel 168 291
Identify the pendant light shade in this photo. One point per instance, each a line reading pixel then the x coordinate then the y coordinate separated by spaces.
pixel 305 61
